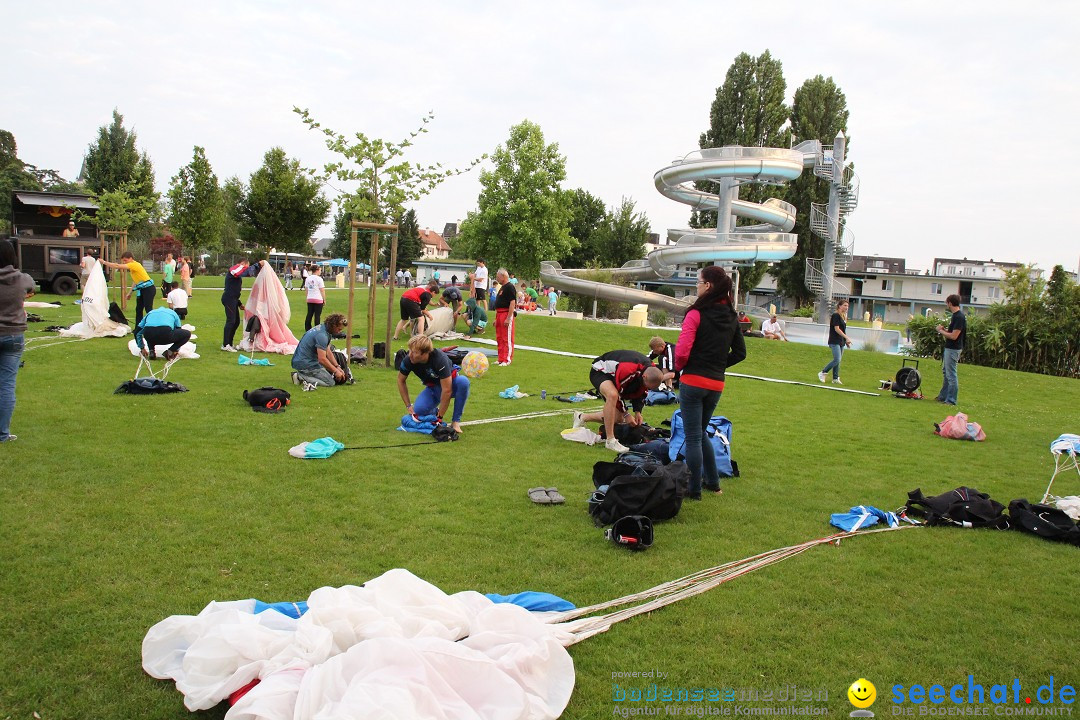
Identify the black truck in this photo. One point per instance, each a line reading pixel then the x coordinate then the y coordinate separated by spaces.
pixel 39 220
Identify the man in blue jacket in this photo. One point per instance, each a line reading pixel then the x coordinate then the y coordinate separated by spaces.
pixel 161 326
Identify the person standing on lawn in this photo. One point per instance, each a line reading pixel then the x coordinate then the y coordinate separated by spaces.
pixel 230 299
pixel 142 286
pixel 185 275
pixel 709 343
pixel 316 297
pixel 505 312
pixel 15 287
pixel 838 341
pixel 479 278
pixel 950 356
pixel 168 270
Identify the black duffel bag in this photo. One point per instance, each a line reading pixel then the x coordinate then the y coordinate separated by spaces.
pixel 650 489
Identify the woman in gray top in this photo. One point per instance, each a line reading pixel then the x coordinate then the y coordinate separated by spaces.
pixel 15 287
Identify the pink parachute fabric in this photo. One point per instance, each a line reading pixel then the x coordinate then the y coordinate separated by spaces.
pixel 270 304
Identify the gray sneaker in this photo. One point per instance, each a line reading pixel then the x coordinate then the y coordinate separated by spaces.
pixel 836 381
pixel 9 438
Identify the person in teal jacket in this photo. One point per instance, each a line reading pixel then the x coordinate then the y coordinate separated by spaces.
pixel 161 326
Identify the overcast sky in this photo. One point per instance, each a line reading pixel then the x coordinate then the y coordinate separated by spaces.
pixel 961 125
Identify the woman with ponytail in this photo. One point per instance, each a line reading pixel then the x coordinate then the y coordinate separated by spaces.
pixel 710 342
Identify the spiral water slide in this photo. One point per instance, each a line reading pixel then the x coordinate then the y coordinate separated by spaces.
pixel 769 240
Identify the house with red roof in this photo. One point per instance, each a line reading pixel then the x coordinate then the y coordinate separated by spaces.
pixel 434 246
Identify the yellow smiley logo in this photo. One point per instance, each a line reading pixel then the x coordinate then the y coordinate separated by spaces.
pixel 862 693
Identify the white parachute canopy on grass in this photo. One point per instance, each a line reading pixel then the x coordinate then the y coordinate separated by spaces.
pixel 95 310
pixel 270 304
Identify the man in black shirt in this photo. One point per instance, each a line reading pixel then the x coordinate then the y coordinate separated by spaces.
pixel 950 357
pixel 441 379
pixel 451 297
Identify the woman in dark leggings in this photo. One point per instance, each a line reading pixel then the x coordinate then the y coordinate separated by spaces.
pixel 316 298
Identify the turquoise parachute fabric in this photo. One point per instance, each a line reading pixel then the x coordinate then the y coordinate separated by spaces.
pixel 321 448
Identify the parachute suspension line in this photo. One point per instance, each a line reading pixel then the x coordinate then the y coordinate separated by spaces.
pixel 688 586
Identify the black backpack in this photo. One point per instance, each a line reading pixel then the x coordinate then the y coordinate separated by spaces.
pixel 633 531
pixel 964 506
pixel 651 489
pixel 1046 521
pixel 267 399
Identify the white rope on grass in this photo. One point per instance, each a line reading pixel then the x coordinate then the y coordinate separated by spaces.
pixel 689 586
pixel 527 416
pixel 48 345
pixel 729 373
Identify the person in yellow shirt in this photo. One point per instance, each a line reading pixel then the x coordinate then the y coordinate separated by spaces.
pixel 142 286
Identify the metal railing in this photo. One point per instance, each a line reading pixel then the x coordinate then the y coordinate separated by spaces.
pixel 815 279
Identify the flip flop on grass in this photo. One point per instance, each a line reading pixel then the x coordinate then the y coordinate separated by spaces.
pixel 554 497
pixel 539 496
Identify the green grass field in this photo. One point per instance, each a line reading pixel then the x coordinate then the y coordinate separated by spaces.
pixel 119 511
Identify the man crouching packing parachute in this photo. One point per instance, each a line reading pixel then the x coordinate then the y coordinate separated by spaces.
pixel 443 382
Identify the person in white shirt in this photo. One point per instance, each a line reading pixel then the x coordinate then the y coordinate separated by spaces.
pixel 480 281
pixel 772 330
pixel 316 298
pixel 87 263
pixel 178 300
pixel 408 278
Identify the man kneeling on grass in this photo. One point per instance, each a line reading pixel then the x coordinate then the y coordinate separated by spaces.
pixel 620 376
pixel 443 382
pixel 160 327
pixel 313 362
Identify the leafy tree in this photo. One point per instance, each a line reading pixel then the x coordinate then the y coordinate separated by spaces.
pixel 232 194
pixel 523 215
pixel 196 205
pixel 622 236
pixel 14 175
pixel 280 206
pixel 748 110
pixel 587 214
pixel 111 160
pixel 818 112
pixel 341 242
pixel 386 180
pixel 409 245
pixel 123 208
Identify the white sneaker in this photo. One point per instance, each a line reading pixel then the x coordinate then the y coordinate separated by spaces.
pixel 295 378
pixel 615 446
pixel 228 348
pixel 579 419
pixel 836 381
pixel 821 377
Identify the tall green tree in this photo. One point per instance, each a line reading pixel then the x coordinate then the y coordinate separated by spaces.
pixel 409 245
pixel 280 206
pixel 341 238
pixel 587 215
pixel 819 112
pixel 14 175
pixel 523 215
pixel 748 110
pixel 622 236
pixel 125 207
pixel 112 159
pixel 196 205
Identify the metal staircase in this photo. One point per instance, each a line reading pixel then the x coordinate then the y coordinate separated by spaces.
pixel 842 239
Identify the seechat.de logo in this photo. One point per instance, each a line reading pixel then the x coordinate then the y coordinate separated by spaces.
pixel 862 695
